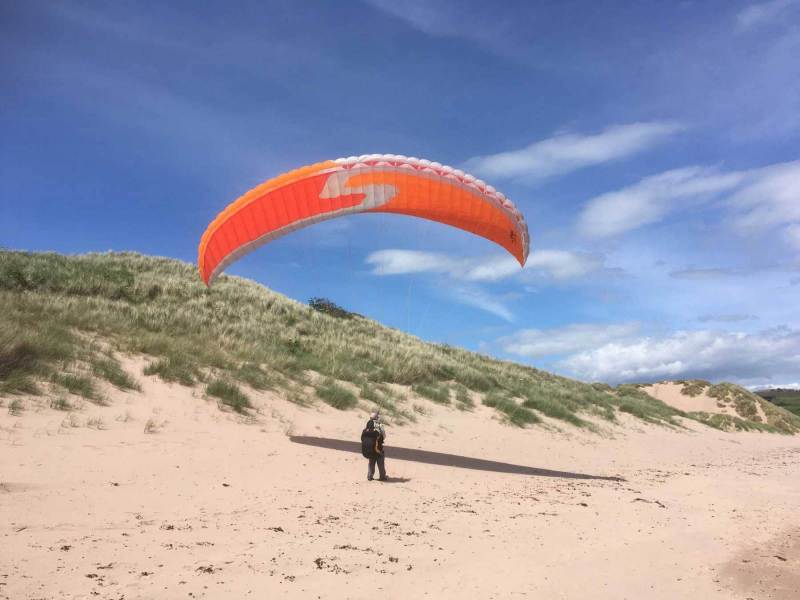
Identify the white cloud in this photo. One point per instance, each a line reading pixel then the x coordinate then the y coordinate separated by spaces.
pixel 760 199
pixel 401 262
pixel 771 198
pixel 761 13
pixel 560 265
pixel 488 269
pixel 703 274
pixel 478 298
pixel 791 235
pixel 765 356
pixel 477 23
pixel 423 15
pixel 651 199
pixel 534 343
pixel 775 386
pixel 568 152
pixel 731 318
pixel 464 273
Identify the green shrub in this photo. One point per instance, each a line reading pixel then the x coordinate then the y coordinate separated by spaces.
pixel 440 395
pixel 463 399
pixel 16 407
pixel 324 305
pixel 632 400
pixel 229 395
pixel 254 376
pixel 694 387
pixel 60 403
pixel 552 408
pixel 174 369
pixel 336 395
pixel 514 413
pixel 80 385
pixel 730 423
pixel 110 370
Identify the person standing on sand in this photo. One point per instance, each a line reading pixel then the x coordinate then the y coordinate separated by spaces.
pixel 372 446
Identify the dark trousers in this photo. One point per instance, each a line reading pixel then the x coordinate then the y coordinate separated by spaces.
pixel 381 467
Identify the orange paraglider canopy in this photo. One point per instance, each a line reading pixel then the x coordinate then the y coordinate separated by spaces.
pixel 385 183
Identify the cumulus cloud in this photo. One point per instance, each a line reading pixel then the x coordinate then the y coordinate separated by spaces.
pixel 533 343
pixel 560 265
pixel 568 152
pixel 766 356
pixel 651 199
pixel 762 13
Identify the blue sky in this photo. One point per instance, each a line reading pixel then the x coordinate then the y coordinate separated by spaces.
pixel 653 148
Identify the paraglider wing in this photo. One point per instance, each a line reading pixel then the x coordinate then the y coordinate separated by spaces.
pixel 371 183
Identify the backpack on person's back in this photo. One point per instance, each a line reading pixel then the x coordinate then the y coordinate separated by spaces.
pixel 370 441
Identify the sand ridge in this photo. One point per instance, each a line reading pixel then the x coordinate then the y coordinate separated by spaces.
pixel 671 393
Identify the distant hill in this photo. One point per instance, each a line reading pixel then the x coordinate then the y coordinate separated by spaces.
pixel 787 399
pixel 65 320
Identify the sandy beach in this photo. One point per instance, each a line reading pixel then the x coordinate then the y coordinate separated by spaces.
pixel 208 504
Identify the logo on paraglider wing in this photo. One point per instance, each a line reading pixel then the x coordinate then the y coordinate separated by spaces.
pixel 375 194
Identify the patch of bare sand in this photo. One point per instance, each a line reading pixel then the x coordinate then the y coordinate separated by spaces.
pixel 670 393
pixel 216 506
pixel 769 569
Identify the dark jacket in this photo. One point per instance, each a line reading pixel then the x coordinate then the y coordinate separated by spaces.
pixel 371 441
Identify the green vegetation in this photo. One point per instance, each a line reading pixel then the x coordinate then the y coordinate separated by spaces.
pixel 256 377
pixel 786 399
pixel 749 407
pixel 337 395
pixel 745 403
pixel 438 393
pixel 388 401
pixel 514 413
pixel 66 318
pixel 463 399
pixel 326 306
pixel 80 385
pixel 60 403
pixel 16 407
pixel 694 387
pixel 637 403
pixel 731 423
pixel 110 370
pixel 175 368
pixel 229 395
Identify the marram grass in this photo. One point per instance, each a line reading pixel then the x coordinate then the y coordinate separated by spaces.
pixel 62 318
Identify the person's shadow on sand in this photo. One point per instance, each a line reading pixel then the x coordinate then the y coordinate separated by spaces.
pixel 445 460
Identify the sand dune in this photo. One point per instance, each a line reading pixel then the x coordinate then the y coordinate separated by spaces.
pixel 211 505
pixel 671 393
